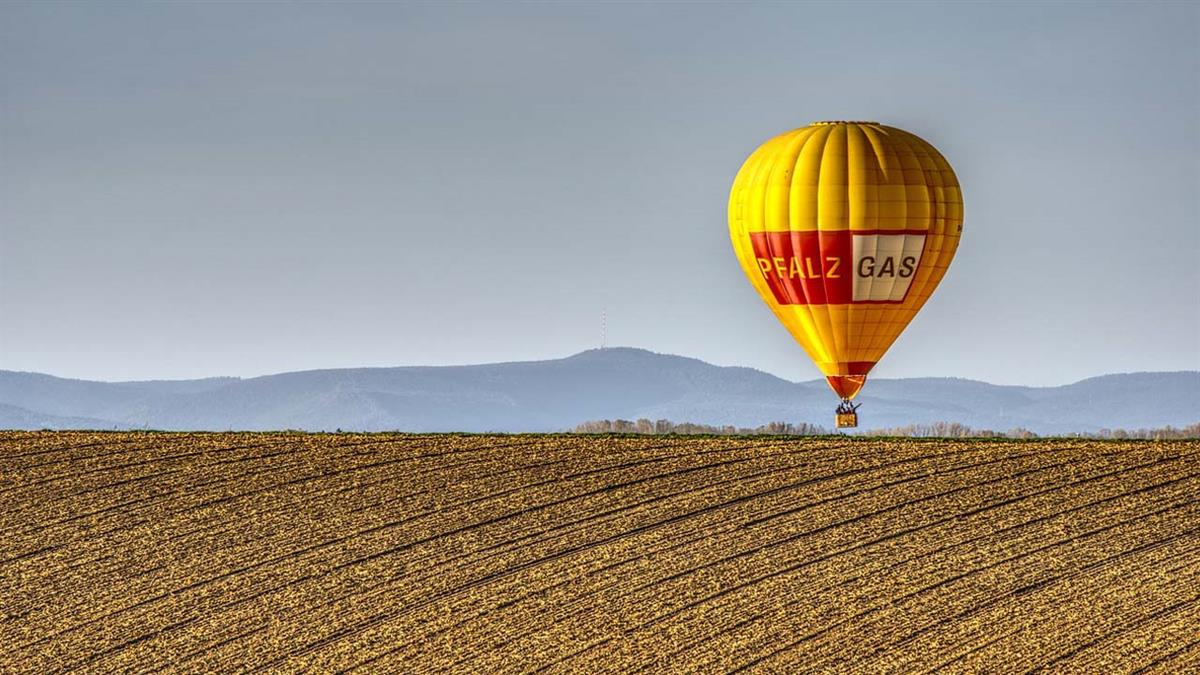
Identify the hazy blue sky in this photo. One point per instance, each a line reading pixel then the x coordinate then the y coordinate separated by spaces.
pixel 191 190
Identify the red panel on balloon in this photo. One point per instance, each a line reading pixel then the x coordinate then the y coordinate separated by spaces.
pixel 806 268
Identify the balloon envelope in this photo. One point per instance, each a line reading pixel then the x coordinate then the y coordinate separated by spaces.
pixel 845 229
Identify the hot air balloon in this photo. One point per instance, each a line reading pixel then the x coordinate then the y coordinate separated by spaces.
pixel 845 229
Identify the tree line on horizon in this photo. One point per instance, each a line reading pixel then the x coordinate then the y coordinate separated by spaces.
pixel 933 430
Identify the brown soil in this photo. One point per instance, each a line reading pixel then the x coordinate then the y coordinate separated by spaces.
pixel 202 552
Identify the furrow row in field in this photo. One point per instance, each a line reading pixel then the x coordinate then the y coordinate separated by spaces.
pixel 102 539
pixel 455 613
pixel 456 610
pixel 225 548
pixel 685 534
pixel 869 582
pixel 233 575
pixel 780 579
pixel 344 572
pixel 139 552
pixel 418 580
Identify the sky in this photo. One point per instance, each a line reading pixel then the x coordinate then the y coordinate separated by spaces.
pixel 191 190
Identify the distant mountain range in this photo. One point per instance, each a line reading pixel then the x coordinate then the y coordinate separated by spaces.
pixel 555 395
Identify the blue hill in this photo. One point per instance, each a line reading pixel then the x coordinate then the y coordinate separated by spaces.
pixel 557 394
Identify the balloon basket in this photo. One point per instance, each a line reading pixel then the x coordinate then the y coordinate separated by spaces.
pixel 846 415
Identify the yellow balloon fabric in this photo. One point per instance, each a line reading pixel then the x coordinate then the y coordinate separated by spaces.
pixel 845 229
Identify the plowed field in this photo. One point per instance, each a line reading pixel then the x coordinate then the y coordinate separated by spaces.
pixel 201 552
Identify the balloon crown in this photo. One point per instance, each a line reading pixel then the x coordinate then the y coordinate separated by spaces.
pixel 831 122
